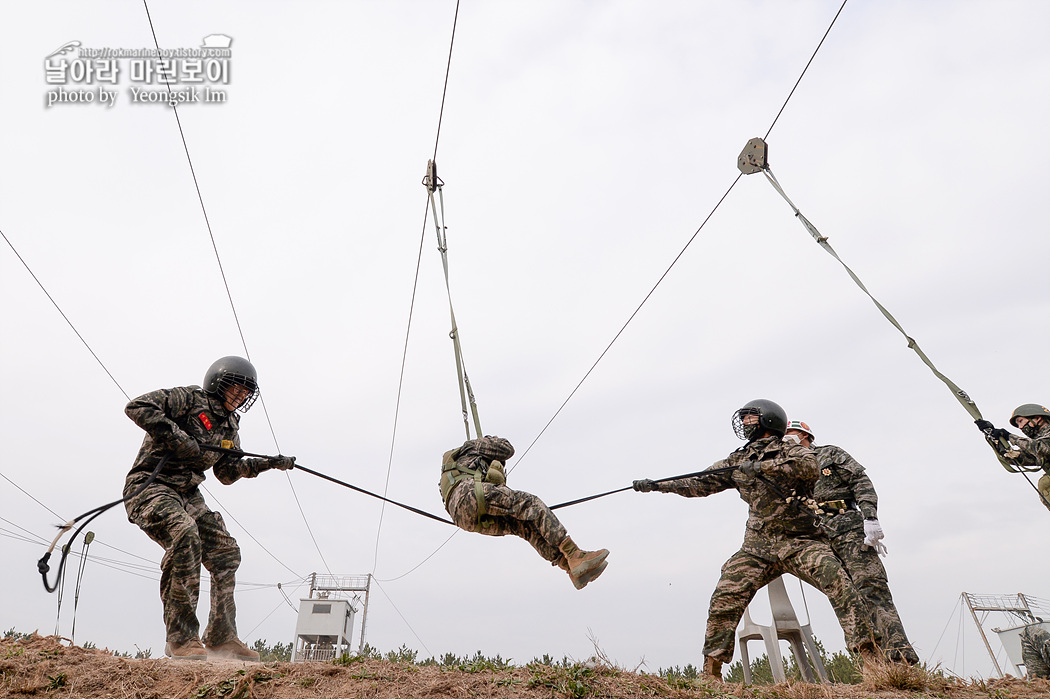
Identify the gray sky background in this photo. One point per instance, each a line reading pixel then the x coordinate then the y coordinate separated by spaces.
pixel 582 146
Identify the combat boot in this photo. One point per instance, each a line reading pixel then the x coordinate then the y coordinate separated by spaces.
pixel 581 582
pixel 190 650
pixel 713 668
pixel 584 566
pixel 233 650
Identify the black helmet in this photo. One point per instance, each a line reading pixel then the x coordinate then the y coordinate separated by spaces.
pixel 232 371
pixel 771 417
pixel 1030 410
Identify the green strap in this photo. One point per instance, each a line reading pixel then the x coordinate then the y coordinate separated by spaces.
pixel 960 395
pixel 479 493
pixel 466 394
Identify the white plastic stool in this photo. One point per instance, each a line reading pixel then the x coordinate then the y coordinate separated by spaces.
pixel 786 627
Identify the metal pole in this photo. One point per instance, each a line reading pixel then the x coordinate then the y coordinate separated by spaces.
pixel 364 615
pixel 983 637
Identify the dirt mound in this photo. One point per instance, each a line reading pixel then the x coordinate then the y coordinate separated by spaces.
pixel 45 666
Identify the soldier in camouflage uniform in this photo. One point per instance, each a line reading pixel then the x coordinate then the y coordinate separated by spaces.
pixel 171 510
pixel 473 487
pixel 1031 451
pixel 845 493
pixel 1035 651
pixel 781 536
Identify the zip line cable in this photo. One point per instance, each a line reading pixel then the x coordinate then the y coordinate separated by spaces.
pixel 64 317
pixel 810 61
pixel 668 270
pixel 225 282
pixel 412 303
pixel 624 327
pixel 644 300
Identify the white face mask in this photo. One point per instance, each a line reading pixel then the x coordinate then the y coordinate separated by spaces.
pixel 792 439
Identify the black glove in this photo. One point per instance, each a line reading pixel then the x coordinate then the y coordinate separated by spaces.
pixel 750 468
pixel 644 486
pixel 187 449
pixel 283 463
pixel 984 425
pixel 998 434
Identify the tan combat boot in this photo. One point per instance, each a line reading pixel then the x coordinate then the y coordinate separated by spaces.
pixel 190 650
pixel 583 566
pixel 713 668
pixel 581 582
pixel 233 650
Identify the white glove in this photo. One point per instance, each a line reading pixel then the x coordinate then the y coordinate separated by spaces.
pixel 873 536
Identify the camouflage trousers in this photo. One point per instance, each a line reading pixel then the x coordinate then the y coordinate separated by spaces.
pixel 509 512
pixel 869 576
pixel 759 561
pixel 191 535
pixel 1035 652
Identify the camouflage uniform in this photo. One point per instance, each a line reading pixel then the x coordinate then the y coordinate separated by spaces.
pixel 173 513
pixel 845 492
pixel 1035 652
pixel 478 466
pixel 779 538
pixel 1036 452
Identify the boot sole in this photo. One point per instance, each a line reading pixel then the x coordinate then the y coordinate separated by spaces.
pixel 585 569
pixel 581 582
pixel 168 652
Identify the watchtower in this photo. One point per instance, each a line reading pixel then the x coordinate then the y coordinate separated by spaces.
pixel 324 628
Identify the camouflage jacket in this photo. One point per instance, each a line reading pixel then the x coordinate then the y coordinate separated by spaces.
pixel 486 456
pixel 843 479
pixel 790 468
pixel 1034 452
pixel 169 414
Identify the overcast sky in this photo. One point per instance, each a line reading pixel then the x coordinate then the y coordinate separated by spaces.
pixel 582 146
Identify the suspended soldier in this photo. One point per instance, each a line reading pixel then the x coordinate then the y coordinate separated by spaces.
pixel 782 536
pixel 172 511
pixel 1035 651
pixel 847 498
pixel 473 488
pixel 1031 451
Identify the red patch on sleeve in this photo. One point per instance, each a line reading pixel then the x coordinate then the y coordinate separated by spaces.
pixel 205 421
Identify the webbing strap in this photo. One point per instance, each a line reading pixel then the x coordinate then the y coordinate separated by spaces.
pixel 466 394
pixel 960 395
pixel 479 494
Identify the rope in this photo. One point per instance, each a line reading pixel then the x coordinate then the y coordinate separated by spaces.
pixel 237 452
pixel 698 474
pixel 42 565
pixel 1000 446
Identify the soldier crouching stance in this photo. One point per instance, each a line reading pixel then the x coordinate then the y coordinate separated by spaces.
pixel 172 511
pixel 473 487
pixel 780 536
